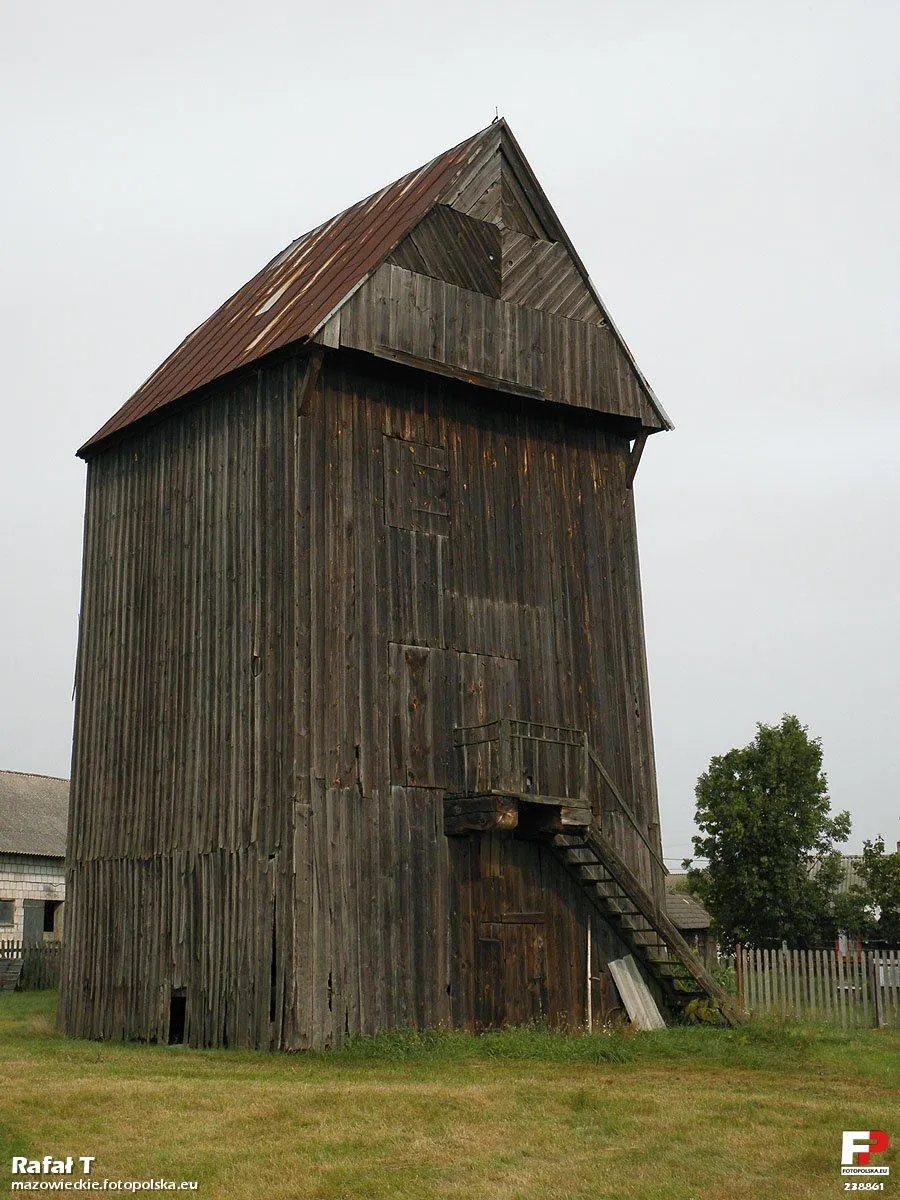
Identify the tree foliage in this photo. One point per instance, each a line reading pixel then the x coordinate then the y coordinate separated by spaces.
pixel 764 816
pixel 871 909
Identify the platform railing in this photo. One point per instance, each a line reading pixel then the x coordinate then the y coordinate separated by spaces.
pixel 521 758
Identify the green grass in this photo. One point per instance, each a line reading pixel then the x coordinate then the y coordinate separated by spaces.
pixel 683 1114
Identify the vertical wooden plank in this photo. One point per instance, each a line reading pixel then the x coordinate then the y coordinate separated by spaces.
pixel 781 981
pixel 771 982
pixel 750 980
pixel 822 985
pixel 794 973
pixel 852 995
pixel 760 979
pixel 872 974
pixel 891 960
pixel 863 976
pixel 860 1008
pixel 893 968
pixel 834 998
pixel 838 983
pixel 865 991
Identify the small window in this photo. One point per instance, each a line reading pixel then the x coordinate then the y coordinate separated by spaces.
pixel 7 912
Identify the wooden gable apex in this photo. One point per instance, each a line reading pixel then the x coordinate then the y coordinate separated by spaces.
pixel 495 233
pixel 487 287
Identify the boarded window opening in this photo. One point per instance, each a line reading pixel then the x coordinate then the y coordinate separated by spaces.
pixel 416 486
pixel 177 1017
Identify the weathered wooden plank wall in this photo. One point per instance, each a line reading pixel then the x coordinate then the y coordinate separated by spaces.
pixel 184 766
pixel 538 274
pixel 293 591
pixel 452 246
pixel 575 362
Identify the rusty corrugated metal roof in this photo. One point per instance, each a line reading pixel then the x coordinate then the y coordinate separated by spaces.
pixel 293 294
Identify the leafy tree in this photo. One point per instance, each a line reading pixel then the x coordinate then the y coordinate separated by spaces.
pixel 764 816
pixel 871 910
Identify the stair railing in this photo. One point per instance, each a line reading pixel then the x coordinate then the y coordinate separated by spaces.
pixel 623 806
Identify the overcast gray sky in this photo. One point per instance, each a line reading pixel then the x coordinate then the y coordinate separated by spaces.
pixel 730 174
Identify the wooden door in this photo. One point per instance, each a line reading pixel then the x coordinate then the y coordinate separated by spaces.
pixel 510 934
pixel 511 971
pixel 33 921
pixel 519 937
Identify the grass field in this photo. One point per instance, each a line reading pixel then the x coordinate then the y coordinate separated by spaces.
pixel 684 1113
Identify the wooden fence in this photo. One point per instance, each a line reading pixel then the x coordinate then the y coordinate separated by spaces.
pixel 858 989
pixel 29 966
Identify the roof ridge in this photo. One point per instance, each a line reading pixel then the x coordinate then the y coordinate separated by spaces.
pixel 37 775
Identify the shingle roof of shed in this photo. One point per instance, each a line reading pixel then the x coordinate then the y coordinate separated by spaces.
pixel 684 910
pixel 294 294
pixel 34 810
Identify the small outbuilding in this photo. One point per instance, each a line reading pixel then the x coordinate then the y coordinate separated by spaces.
pixel 33 816
pixel 363 733
pixel 689 916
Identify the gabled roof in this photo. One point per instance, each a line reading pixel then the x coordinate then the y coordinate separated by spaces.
pixel 294 295
pixel 34 810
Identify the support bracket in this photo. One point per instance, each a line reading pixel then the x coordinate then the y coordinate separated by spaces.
pixel 634 457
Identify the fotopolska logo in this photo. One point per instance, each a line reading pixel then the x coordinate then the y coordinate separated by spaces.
pixel 857 1148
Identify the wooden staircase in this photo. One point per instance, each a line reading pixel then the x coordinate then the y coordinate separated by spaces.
pixel 545 781
pixel 654 941
pixel 10 971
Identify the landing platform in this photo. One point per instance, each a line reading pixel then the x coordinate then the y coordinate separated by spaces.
pixel 485 811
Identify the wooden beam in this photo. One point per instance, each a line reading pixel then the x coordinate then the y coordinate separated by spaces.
pixel 479 814
pixel 635 457
pixel 475 378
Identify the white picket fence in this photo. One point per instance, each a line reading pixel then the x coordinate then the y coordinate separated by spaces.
pixel 853 990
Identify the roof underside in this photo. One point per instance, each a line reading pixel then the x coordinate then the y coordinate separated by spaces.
pixel 295 294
